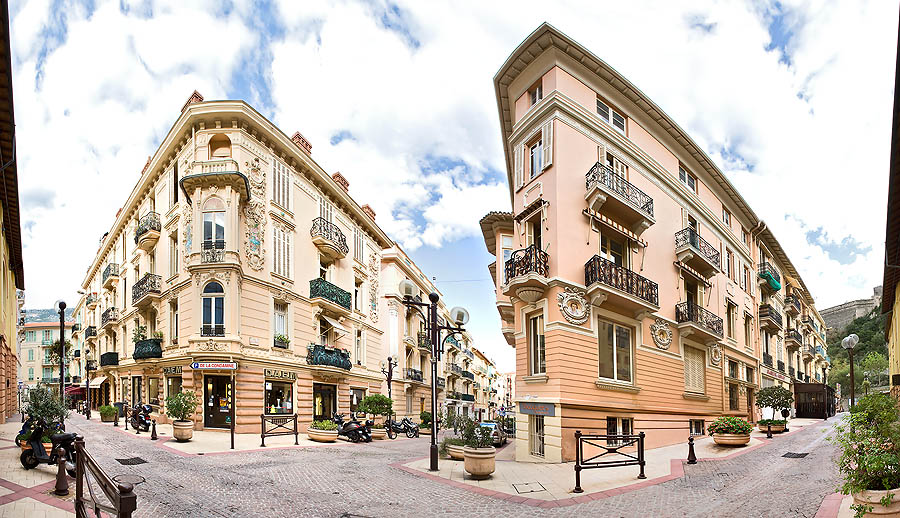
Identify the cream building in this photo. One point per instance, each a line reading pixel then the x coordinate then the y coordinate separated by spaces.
pixel 35 365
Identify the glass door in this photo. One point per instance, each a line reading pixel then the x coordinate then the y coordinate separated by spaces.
pixel 217 402
pixel 324 401
pixel 136 391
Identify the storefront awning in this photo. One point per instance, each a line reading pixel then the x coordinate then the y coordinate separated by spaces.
pixel 336 325
pixel 96 382
pixel 75 390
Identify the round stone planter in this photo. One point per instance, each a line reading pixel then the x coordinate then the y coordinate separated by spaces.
pixel 479 462
pixel 182 431
pixel 873 498
pixel 379 433
pixel 730 439
pixel 455 451
pixel 776 428
pixel 322 435
pixel 425 431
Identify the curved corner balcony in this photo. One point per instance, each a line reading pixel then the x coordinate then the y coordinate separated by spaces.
pixel 110 276
pixel 109 359
pixel 696 253
pixel 146 290
pixel 769 278
pixel 147 233
pixel 324 355
pixel 698 322
pixel 90 333
pixel 618 198
pixel 328 238
pixel 608 282
pixel 215 173
pixel 329 297
pixel 91 300
pixel 147 349
pixel 526 273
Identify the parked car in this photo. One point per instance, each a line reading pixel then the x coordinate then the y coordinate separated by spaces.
pixel 497 433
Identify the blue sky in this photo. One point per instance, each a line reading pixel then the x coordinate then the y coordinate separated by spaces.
pixel 398 96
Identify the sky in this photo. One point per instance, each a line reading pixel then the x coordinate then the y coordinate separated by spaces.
pixel 791 99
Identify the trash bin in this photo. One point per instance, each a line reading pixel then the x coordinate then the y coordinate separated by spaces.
pixel 120 408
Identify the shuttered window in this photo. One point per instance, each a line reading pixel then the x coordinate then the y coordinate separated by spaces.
pixel 283 241
pixel 694 370
pixel 359 244
pixel 281 185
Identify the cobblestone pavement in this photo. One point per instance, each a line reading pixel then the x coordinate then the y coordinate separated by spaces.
pixel 349 480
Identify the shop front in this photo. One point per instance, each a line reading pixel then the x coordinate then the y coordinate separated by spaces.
pixel 324 401
pixel 217 393
pixel 278 395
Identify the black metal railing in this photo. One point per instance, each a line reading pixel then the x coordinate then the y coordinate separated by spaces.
pixel 768 311
pixel 111 315
pixel 690 237
pixel 111 270
pixel 793 334
pixel 111 358
pixel 149 348
pixel 90 331
pixel 321 227
pixel 212 251
pixel 691 312
pixel 423 341
pixel 793 301
pixel 767 359
pixel 461 396
pixel 318 354
pixel 612 445
pixel 767 270
pixel 149 283
pixel 278 425
pixel 118 498
pixel 413 374
pixel 781 365
pixel 601 270
pixel 441 382
pixel 455 369
pixel 149 221
pixel 601 174
pixel 90 300
pixel 527 260
pixel 320 288
pixel 212 330
pixel 468 375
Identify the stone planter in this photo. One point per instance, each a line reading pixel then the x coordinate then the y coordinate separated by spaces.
pixel 322 435
pixel 108 418
pixel 182 431
pixel 425 431
pixel 48 446
pixel 776 428
pixel 379 433
pixel 730 439
pixel 455 451
pixel 873 498
pixel 479 462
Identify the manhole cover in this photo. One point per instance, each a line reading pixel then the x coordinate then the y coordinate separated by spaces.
pixel 129 479
pixel 792 455
pixel 528 487
pixel 133 461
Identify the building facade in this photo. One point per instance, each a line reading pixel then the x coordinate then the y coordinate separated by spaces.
pixel 35 365
pixel 638 288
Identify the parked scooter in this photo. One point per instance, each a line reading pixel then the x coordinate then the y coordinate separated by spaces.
pixel 140 417
pixel 404 426
pixel 352 429
pixel 38 455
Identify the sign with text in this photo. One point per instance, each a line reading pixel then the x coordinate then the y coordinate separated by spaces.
pixel 230 366
pixel 172 370
pixel 776 375
pixel 545 409
pixel 281 375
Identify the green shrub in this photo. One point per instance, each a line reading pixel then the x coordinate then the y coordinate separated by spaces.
pixel 324 425
pixel 425 416
pixel 455 441
pixel 473 434
pixel 729 425
pixel 376 404
pixel 107 411
pixel 44 404
pixel 773 422
pixel 181 406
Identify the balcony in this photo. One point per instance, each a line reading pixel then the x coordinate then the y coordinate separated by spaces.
pixel 606 281
pixel 107 359
pixel 46 341
pixel 695 320
pixel 146 290
pixel 792 305
pixel 147 349
pixel 769 277
pixel 109 317
pixel 147 233
pixel 466 375
pixel 780 365
pixel 808 352
pixel 328 238
pixel 767 359
pixel 329 297
pixel 424 343
pixel 327 356
pixel 212 251
pixel 618 198
pixel 413 374
pixel 90 301
pixel 213 330
pixel 110 276
pixel 441 382
pixel 793 338
pixel 460 396
pixel 696 253
pixel 526 273
pixel 820 352
pixel 454 371
pixel 90 332
pixel 769 317
pixel 216 173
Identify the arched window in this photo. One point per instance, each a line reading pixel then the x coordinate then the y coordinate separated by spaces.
pixel 219 146
pixel 213 310
pixel 213 225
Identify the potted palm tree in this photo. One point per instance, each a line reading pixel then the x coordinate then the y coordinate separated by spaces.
pixel 378 405
pixel 181 407
pixel 479 454
pixel 322 431
pixel 730 431
pixel 779 399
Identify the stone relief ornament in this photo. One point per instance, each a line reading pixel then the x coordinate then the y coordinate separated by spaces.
pixel 662 335
pixel 715 354
pixel 373 287
pixel 573 306
pixel 213 346
pixel 188 216
pixel 255 216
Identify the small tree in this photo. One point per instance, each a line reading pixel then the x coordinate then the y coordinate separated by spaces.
pixel 181 406
pixel 776 398
pixel 140 334
pixel 57 349
pixel 376 404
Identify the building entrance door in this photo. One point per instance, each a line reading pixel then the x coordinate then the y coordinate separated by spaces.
pixel 136 391
pixel 750 405
pixel 324 401
pixel 217 402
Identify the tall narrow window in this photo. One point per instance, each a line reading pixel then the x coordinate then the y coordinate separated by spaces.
pixel 358 347
pixel 357 295
pixel 173 253
pixel 283 249
pixel 729 264
pixel 536 344
pixel 534 229
pixel 614 347
pixel 535 435
pixel 175 186
pixel 748 331
pixel 613 249
pixel 730 311
pixel 281 185
pixel 536 94
pixel 213 310
pixel 535 158
pixel 280 319
pixel 326 209
pixel 359 244
pixel 173 321
pixel 214 224
pixel 694 371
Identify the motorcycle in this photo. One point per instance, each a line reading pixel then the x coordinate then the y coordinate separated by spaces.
pixel 38 455
pixel 353 429
pixel 140 417
pixel 404 426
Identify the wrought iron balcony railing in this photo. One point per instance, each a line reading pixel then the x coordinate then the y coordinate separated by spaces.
pixel 413 374
pixel 768 311
pixel 768 272
pixel 149 283
pixel 690 237
pixel 468 375
pixel 150 348
pixel 527 260
pixel 603 175
pixel 90 331
pixel 423 341
pixel 111 270
pixel 441 382
pixel 212 251
pixel 212 330
pixel 793 334
pixel 781 365
pixel 111 315
pixel 601 270
pixel 149 221
pixel 320 288
pixel 820 350
pixel 90 300
pixel 111 358
pixel 767 359
pixel 691 312
pixel 318 354
pixel 455 369
pixel 793 301
pixel 321 227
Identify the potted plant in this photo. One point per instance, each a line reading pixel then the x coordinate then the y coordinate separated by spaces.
pixel 479 454
pixel 453 447
pixel 181 407
pixel 282 341
pixel 869 443
pixel 107 413
pixel 140 334
pixel 323 431
pixel 378 405
pixel 425 424
pixel 777 425
pixel 157 335
pixel 730 431
pixel 44 405
pixel 779 399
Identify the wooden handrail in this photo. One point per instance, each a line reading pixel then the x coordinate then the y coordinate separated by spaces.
pixel 120 495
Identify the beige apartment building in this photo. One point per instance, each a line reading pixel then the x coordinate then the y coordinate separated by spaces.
pixel 35 365
pixel 631 277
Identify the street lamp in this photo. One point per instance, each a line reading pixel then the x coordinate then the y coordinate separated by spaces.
pixel 62 352
pixel 849 342
pixel 388 370
pixel 87 383
pixel 458 316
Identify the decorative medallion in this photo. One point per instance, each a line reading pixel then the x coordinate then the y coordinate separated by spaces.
pixel 662 335
pixel 374 267
pixel 212 346
pixel 255 215
pixel 715 354
pixel 573 305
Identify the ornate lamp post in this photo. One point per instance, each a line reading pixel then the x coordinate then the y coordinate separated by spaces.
pixel 62 352
pixel 849 343
pixel 388 370
pixel 460 317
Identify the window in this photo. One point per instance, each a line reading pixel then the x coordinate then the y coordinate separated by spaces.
pixel 536 94
pixel 359 244
pixel 213 310
pixel 173 253
pixel 726 217
pixel 749 374
pixel 30 373
pixel 687 179
pixel 611 116
pixel 326 209
pixel 694 370
pixel 324 268
pixel 357 295
pixel 409 408
pixel 214 222
pixel 745 280
pixel 356 397
pixel 734 401
pixel 615 351
pixel 47 337
pixel 730 310
pixel 279 397
pixel 175 186
pixel 281 184
pixel 536 158
pixel 30 336
pixel 506 244
pixel 280 319
pixel 616 166
pixel 745 237
pixel 732 369
pixel 326 332
pixel 536 435
pixel 31 355
pixel 534 232
pixel 358 346
pixel 748 331
pixel 536 344
pixel 153 392
pixel 729 264
pixel 697 427
pixel 613 249
pixel 618 426
pixel 283 240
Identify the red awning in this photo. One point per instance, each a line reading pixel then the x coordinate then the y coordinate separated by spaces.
pixel 75 390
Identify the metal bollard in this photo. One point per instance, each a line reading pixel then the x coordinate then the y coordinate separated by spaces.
pixel 692 457
pixel 768 431
pixel 153 436
pixel 578 463
pixel 62 484
pixel 125 416
pixel 116 418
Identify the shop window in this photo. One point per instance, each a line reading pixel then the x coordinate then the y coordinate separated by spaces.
pixel 356 397
pixel 697 427
pixel 279 397
pixel 694 370
pixel 618 426
pixel 409 403
pixel 535 435
pixel 153 392
pixel 614 347
pixel 536 344
pixel 733 397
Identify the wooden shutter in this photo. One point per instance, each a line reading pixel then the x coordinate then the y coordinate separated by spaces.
pixel 694 370
pixel 517 158
pixel 701 294
pixel 547 142
pixel 601 153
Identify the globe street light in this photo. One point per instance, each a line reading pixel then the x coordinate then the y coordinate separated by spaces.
pixel 388 370
pixel 62 352
pixel 848 343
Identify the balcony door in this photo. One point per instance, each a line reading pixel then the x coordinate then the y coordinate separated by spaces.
pixel 534 232
pixel 693 293
pixel 613 249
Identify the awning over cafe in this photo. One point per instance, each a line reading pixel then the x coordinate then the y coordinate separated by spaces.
pixel 77 389
pixel 96 382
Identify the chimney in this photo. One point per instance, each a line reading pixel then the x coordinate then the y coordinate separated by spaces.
pixel 369 212
pixel 339 178
pixel 146 165
pixel 301 142
pixel 194 98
